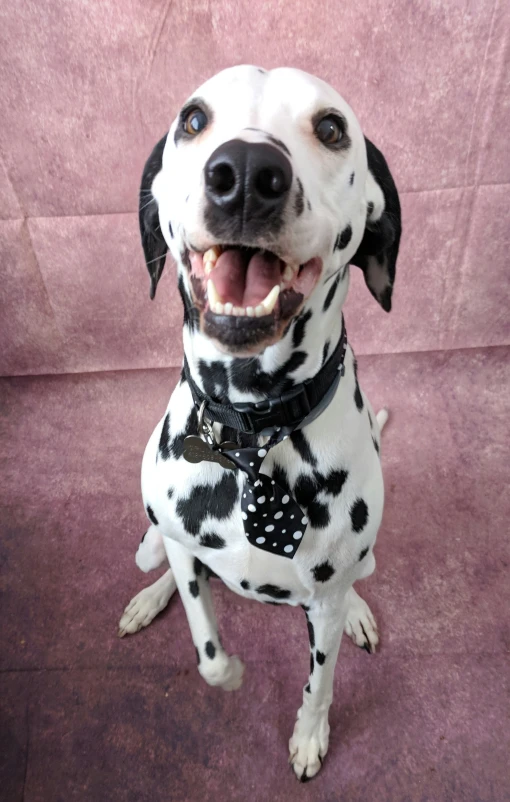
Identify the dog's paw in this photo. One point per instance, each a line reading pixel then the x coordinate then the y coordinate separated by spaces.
pixel 146 605
pixel 308 745
pixel 223 672
pixel 360 624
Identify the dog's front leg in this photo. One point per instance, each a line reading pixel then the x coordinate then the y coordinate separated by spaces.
pixel 191 576
pixel 309 742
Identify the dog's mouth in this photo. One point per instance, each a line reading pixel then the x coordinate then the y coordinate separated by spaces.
pixel 247 295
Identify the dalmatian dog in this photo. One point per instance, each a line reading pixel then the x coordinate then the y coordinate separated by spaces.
pixel 265 191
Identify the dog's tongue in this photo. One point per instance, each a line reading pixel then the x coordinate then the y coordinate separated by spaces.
pixel 245 286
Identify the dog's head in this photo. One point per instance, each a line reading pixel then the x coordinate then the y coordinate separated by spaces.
pixel 264 188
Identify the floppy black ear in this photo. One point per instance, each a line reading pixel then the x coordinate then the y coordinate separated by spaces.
pixel 378 251
pixel 153 242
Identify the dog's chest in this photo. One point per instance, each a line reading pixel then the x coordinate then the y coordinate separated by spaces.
pixel 329 468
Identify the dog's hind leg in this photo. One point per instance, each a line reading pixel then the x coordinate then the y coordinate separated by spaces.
pixel 145 606
pixel 214 665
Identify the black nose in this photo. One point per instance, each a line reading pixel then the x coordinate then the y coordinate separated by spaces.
pixel 248 182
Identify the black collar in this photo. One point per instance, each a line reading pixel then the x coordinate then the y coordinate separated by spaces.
pixel 287 410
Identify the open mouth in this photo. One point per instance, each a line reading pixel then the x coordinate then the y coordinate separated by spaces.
pixel 249 288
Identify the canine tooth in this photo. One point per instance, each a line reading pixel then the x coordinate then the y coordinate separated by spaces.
pixel 218 308
pixel 288 273
pixel 227 309
pixel 208 267
pixel 212 294
pixel 269 301
pixel 260 311
pixel 250 311
pixel 212 254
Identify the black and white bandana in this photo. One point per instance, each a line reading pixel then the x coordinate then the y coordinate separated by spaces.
pixel 273 520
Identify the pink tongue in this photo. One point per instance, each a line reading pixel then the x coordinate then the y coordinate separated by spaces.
pixel 245 287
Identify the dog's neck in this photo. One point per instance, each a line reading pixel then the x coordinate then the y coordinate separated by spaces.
pixel 309 340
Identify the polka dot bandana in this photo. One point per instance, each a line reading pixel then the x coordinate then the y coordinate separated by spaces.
pixel 272 519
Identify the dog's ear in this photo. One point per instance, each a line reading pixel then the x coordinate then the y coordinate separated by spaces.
pixel 378 251
pixel 153 242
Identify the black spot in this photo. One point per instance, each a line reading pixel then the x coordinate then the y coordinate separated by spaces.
pixel 198 655
pixel 334 482
pixel 318 514
pixel 193 588
pixel 370 209
pixel 191 316
pixel 197 566
pixel 359 515
pixel 311 633
pixel 280 477
pixel 358 398
pixel 217 500
pixel 320 657
pixel 170 229
pixel 245 584
pixel 152 517
pixel 363 554
pixel 214 379
pixel 311 663
pixel 325 352
pixel 370 419
pixel 164 451
pixel 170 492
pixel 191 427
pixel 247 373
pixel 259 69
pixel 309 205
pixel 385 299
pixel 323 572
pixel 343 239
pixel 212 541
pixel 143 537
pixel 331 294
pixel 305 608
pixel 300 328
pixel 305 489
pixel 308 689
pixel 376 444
pixel 299 203
pixel 351 179
pixel 273 591
pixel 210 649
pixel 302 446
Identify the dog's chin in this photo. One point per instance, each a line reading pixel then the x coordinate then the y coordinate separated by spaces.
pixel 246 297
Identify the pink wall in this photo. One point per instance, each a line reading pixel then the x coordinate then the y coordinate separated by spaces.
pixel 88 88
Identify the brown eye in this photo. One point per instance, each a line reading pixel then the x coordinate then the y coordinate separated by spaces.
pixel 329 130
pixel 195 122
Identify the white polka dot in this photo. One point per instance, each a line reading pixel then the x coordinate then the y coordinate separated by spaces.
pixel 283 531
pixel 257 483
pixel 250 491
pixel 272 481
pixel 260 540
pixel 278 515
pixel 285 499
pixel 297 535
pixel 288 548
pixel 261 499
pixel 274 545
pixel 244 495
pixel 262 452
pixel 255 524
pixel 244 516
pixel 272 498
pixel 237 453
pixel 252 507
pixel 291 517
pixel 252 464
pixel 269 528
pixel 304 520
pixel 265 515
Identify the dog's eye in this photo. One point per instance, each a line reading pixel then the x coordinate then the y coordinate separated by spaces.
pixel 195 121
pixel 329 130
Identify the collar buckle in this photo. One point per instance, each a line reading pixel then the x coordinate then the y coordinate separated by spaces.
pixel 287 410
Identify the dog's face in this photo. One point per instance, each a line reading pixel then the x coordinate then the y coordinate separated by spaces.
pixel 261 190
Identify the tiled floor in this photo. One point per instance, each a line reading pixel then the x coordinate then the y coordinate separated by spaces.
pixel 86 716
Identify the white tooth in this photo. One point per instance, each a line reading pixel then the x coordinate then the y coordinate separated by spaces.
pixel 269 301
pixel 227 309
pixel 260 311
pixel 208 267
pixel 212 254
pixel 239 311
pixel 288 273
pixel 212 294
pixel 250 311
pixel 218 308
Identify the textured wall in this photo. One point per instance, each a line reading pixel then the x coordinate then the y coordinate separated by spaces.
pixel 87 88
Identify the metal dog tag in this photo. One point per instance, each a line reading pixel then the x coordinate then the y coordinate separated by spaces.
pixel 195 450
